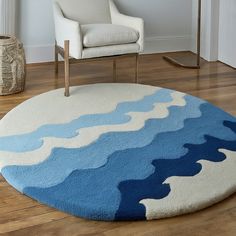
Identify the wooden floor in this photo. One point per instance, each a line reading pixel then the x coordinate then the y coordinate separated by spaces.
pixel 214 82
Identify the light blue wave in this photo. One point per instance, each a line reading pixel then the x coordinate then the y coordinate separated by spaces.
pixel 98 193
pixel 64 161
pixel 32 141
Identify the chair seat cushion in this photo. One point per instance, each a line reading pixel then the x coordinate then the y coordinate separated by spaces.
pixel 98 35
pixel 112 50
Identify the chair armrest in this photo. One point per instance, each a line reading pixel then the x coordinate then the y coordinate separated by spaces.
pixel 132 22
pixel 66 29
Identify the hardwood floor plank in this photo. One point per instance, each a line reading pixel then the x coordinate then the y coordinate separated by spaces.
pixel 30 221
pixel 214 82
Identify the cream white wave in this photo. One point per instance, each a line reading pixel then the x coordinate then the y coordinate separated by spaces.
pixel 214 183
pixel 41 110
pixel 89 135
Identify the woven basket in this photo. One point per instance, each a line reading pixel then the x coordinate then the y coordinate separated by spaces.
pixel 12 65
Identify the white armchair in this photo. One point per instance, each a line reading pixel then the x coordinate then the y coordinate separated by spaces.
pixel 88 29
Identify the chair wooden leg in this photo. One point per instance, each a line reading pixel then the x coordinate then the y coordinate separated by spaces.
pixel 114 70
pixel 56 58
pixel 67 67
pixel 136 68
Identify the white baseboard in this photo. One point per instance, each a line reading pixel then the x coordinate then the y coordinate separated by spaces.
pixel 45 53
pixel 167 44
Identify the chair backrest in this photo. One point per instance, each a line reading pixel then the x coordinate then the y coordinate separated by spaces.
pixel 86 11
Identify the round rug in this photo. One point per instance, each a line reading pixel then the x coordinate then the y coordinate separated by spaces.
pixel 120 152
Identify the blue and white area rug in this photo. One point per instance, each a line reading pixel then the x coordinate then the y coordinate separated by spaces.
pixel 120 152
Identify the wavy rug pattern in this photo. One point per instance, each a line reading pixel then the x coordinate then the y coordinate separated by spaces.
pixel 144 159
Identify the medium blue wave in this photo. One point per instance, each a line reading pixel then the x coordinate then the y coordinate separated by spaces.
pixel 96 154
pixel 33 140
pixel 95 194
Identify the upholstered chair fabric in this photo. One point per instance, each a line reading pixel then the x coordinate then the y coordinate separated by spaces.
pixel 96 28
pixel 86 11
pixel 99 35
pixel 110 50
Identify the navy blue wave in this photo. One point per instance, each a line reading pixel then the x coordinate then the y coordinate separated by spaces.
pixel 133 191
pixel 107 192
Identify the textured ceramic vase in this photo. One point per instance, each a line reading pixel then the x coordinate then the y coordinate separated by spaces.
pixel 12 65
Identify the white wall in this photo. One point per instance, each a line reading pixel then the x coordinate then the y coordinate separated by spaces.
pixel 209 28
pixel 168 25
pixel 167 22
pixel 36 29
pixel 218 30
pixel 227 32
